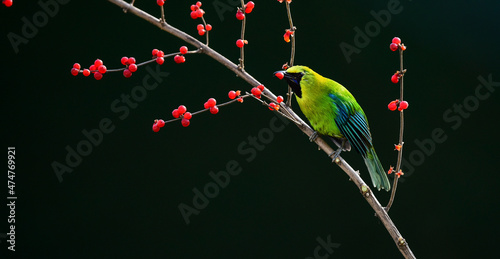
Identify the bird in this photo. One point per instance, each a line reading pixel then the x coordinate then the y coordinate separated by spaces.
pixel 334 112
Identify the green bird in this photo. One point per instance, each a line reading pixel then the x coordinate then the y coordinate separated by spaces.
pixel 332 111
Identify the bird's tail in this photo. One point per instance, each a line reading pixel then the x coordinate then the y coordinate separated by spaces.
pixel 377 172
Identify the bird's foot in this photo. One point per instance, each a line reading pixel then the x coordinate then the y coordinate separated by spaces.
pixel 313 136
pixel 335 154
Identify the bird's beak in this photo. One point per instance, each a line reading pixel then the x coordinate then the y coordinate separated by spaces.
pixel 292 79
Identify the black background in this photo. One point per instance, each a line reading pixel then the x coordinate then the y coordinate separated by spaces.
pixel 121 200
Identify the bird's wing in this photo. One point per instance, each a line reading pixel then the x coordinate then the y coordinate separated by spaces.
pixel 353 125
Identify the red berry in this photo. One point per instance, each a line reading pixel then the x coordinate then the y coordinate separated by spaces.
pixel 131 60
pixel 232 95
pixel 214 110
pixel 182 109
pixel 124 60
pixel 201 32
pixel 183 50
pixel 240 15
pixel 185 122
pixel 208 27
pixel 92 68
pixel 160 60
pixel 194 15
pixel 98 76
pixel 156 128
pixel 132 68
pixel 396 40
pixel 188 115
pixel 403 105
pixel 98 63
pixel 154 52
pixel 102 69
pixel 249 7
pixel 86 72
pixel 395 78
pixel 240 99
pixel 176 113
pixel 211 102
pixel 77 66
pixel 287 35
pixel 272 106
pixel 200 27
pixel 179 59
pixel 7 3
pixel 280 75
pixel 261 87
pixel 393 46
pixel 160 123
pixel 393 105
pixel 198 4
pixel 160 54
pixel 403 47
pixel 199 13
pixel 160 2
pixel 74 71
pixel 279 99
pixel 194 7
pixel 127 73
pixel 240 43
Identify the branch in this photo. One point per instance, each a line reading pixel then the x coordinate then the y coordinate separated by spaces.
pixel 353 175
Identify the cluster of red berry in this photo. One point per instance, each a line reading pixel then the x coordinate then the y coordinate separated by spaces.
pixel 182 112
pixel 257 91
pixel 158 55
pixel 396 44
pixel 196 11
pixel 202 29
pixel 7 3
pixel 212 105
pixel 158 124
pixel 131 67
pixel 233 94
pixel 274 106
pixel 398 105
pixel 98 69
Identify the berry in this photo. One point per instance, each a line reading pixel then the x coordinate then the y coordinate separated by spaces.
pixel 240 99
pixel 403 105
pixel 77 66
pixel 98 63
pixel 403 47
pixel 194 7
pixel 393 46
pixel 280 75
pixel 214 110
pixel 74 71
pixel 272 106
pixel 102 69
pixel 160 60
pixel 279 99
pixel 154 52
pixel 185 122
pixel 132 68
pixel 183 50
pixel 240 15
pixel 188 115
pixel 240 43
pixel 200 27
pixel 199 13
pixel 86 72
pixel 211 102
pixel 156 128
pixel 249 7
pixel 7 3
pixel 124 61
pixel 395 78
pixel 232 95
pixel 160 54
pixel 393 105
pixel 287 35
pixel 92 68
pixel 396 40
pixel 256 92
pixel 98 76
pixel 194 15
pixel 182 109
pixel 208 27
pixel 201 32
pixel 131 60
pixel 179 59
pixel 198 4
pixel 175 113
pixel 160 123
pixel 127 73
pixel 160 2
pixel 261 87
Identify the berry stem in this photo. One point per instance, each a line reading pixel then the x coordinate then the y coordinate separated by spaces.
pixel 162 19
pixel 205 25
pixel 242 49
pixel 292 51
pixel 401 130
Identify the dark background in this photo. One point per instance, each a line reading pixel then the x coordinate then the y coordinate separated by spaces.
pixel 122 200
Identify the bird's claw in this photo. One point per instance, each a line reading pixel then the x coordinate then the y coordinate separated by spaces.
pixel 335 154
pixel 313 136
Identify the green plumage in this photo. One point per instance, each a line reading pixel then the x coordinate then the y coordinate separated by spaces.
pixel 332 111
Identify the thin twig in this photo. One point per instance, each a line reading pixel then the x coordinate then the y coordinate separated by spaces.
pixel 242 49
pixel 353 175
pixel 292 51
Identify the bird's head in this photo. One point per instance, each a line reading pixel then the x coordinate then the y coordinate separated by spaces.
pixel 294 75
